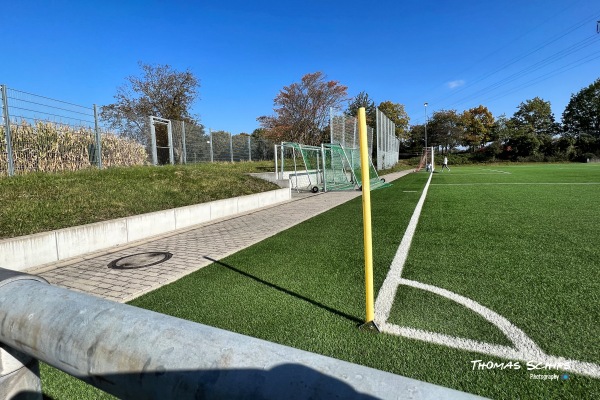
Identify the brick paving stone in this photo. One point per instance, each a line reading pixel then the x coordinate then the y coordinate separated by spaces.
pixel 216 239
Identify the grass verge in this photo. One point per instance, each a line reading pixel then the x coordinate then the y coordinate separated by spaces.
pixel 41 202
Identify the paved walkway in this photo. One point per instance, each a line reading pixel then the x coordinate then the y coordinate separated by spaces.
pixel 126 272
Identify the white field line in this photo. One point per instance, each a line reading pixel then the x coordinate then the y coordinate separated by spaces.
pixel 496 170
pixel 524 348
pixel 515 183
pixel 387 293
pixel 472 173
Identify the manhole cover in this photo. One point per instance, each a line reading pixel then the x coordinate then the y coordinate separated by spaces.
pixel 140 260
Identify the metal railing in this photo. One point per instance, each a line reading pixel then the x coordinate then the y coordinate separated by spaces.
pixel 190 144
pixel 133 353
pixel 40 134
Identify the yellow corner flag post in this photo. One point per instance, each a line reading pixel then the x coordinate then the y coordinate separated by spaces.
pixel 366 200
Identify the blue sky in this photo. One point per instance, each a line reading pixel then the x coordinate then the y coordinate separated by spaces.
pixel 451 54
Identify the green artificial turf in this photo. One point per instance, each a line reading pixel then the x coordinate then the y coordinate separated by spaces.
pixel 524 249
pixel 58 385
pixel 527 251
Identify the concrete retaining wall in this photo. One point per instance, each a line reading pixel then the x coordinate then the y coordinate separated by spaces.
pixel 25 252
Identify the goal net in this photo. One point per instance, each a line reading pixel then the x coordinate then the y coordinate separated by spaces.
pixel 427 160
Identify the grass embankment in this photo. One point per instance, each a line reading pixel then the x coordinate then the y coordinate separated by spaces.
pixel 41 202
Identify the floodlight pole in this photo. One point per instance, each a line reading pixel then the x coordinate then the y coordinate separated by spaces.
pixel 426 155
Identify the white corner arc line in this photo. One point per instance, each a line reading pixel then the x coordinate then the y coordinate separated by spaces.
pixel 523 344
pixel 524 348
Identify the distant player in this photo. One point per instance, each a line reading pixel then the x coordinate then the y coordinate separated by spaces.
pixel 445 164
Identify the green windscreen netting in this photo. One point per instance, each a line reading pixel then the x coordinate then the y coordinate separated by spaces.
pixel 327 168
pixel 348 160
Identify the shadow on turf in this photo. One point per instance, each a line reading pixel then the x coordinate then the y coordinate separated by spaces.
pixel 286 291
pixel 287 380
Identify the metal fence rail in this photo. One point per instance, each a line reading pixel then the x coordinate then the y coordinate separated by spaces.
pixel 44 134
pixel 139 354
pixel 40 134
pixel 192 144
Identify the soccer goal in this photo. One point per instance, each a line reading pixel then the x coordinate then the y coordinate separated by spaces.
pixel 331 167
pixel 301 164
pixel 342 169
pixel 427 160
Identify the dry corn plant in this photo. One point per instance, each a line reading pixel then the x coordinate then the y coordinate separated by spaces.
pixel 53 147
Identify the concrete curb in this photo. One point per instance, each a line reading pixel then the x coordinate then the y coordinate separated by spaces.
pixel 26 252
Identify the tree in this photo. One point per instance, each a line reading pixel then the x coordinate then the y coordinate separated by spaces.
pixel 500 135
pixel 362 100
pixel 478 123
pixel 444 129
pixel 536 115
pixel 302 110
pixel 262 148
pixel 416 139
pixel 581 118
pixel 396 113
pixel 535 118
pixel 160 91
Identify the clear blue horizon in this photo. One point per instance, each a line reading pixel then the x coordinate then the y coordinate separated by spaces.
pixel 450 54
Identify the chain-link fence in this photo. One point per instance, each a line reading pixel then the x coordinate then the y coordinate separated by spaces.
pixel 344 131
pixel 192 144
pixel 38 133
pixel 388 144
pixel 42 134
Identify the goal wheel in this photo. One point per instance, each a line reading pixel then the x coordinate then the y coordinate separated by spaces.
pixel 382 179
pixel 315 189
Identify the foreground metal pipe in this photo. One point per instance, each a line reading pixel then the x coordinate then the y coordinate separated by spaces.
pixel 19 376
pixel 135 353
pixel 19 373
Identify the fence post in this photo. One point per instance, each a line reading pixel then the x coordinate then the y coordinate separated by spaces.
pixel 6 115
pixel 98 139
pixel 276 170
pixel 282 160
pixel 184 158
pixel 153 141
pixel 249 149
pixel 211 145
pixel 170 142
pixel 231 145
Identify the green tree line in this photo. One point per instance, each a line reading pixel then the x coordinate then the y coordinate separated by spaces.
pixel 530 134
pixel 301 114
